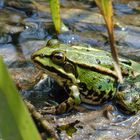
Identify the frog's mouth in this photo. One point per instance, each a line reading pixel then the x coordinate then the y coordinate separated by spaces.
pixel 58 73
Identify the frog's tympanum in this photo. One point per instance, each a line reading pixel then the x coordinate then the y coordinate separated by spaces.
pixel 87 75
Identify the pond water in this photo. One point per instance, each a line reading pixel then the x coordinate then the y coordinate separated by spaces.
pixel 25 28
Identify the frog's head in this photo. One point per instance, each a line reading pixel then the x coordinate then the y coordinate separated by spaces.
pixel 53 60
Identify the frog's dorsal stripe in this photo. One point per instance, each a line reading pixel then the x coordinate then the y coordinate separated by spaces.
pixel 100 69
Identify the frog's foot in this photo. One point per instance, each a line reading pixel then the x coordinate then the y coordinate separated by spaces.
pixel 128 105
pixel 128 96
pixel 65 106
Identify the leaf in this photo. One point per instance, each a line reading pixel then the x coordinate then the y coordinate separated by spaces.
pixel 15 121
pixel 136 67
pixel 55 12
pixel 106 10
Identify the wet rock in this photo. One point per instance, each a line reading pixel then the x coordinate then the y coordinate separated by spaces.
pixel 134 4
pixel 34 31
pixel 10 22
pixel 93 125
pixel 25 77
pixel 1 3
pixel 5 38
pixel 69 38
pixel 122 9
pixel 129 19
pixel 30 46
pixel 25 6
pixel 9 53
pixel 73 3
pixel 79 15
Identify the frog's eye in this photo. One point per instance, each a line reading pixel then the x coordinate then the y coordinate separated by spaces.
pixel 58 57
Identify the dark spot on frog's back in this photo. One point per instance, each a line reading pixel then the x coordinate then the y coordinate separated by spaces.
pixel 93 78
pixel 108 80
pixel 87 50
pixel 98 61
pixel 100 87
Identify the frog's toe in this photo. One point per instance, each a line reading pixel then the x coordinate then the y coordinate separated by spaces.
pixel 60 109
pixel 48 110
pixel 128 104
pixel 64 107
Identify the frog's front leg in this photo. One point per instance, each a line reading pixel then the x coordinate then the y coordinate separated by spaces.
pixel 67 105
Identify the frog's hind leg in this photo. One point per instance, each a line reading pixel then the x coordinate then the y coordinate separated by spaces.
pixel 64 107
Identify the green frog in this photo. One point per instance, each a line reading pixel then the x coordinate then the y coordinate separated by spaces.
pixel 87 75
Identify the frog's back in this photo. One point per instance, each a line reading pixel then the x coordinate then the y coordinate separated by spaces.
pixel 88 56
pixel 91 57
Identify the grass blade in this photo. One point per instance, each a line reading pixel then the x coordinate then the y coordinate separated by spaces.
pixel 15 121
pixel 55 12
pixel 106 10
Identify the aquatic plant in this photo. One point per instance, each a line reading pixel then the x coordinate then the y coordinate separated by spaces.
pixel 15 120
pixel 55 12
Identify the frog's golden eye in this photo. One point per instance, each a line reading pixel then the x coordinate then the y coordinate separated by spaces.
pixel 58 57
